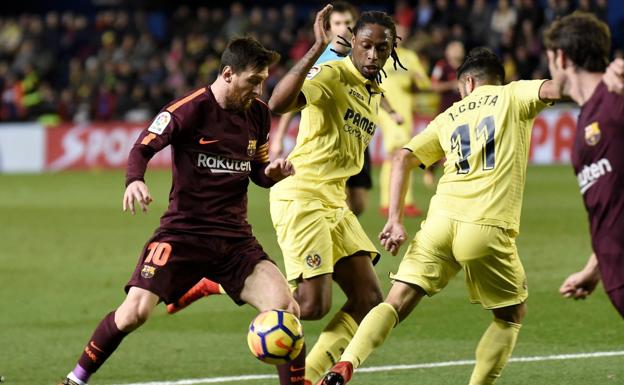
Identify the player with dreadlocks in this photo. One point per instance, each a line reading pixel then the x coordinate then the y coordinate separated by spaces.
pixel 342 18
pixel 321 239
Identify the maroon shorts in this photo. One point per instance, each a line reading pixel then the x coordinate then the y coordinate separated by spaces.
pixel 171 264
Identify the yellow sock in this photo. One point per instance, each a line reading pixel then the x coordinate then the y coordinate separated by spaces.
pixel 330 345
pixel 494 351
pixel 373 331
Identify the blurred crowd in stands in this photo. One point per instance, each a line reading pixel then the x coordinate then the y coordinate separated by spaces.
pixel 125 65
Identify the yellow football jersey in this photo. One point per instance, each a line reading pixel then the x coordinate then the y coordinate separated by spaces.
pixel 337 123
pixel 398 86
pixel 485 138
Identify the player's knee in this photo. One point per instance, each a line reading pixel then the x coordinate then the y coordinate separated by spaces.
pixel 514 314
pixel 130 319
pixel 364 301
pixel 314 310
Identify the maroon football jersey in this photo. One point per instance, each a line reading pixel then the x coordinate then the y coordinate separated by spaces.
pixel 214 153
pixel 444 72
pixel 598 160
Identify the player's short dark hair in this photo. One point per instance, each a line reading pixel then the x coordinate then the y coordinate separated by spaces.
pixel 375 17
pixel 246 52
pixel 483 64
pixel 383 19
pixel 584 38
pixel 344 7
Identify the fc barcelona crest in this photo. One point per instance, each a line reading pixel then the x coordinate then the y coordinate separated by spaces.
pixel 592 134
pixel 148 271
pixel 251 149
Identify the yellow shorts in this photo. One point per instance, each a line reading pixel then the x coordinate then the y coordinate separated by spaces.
pixel 487 254
pixel 314 236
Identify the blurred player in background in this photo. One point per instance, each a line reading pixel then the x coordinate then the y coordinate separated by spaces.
pixel 473 218
pixel 321 239
pixel 578 47
pixel 444 74
pixel 444 82
pixel 219 140
pixel 399 86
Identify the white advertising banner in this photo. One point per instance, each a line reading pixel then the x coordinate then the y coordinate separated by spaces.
pixel 30 147
pixel 21 147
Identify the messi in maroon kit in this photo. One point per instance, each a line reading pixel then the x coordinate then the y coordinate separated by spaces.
pixel 578 48
pixel 218 137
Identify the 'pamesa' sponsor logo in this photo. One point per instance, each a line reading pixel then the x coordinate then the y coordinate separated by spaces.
pixel 358 125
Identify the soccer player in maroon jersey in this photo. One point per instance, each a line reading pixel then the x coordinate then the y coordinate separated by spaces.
pixel 219 140
pixel 578 48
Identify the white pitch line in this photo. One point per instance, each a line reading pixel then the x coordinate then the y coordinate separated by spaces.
pixel 253 377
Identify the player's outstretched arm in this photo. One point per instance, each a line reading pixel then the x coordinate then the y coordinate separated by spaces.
pixel 614 76
pixel 393 234
pixel 287 94
pixel 551 90
pixel 136 190
pixel 582 283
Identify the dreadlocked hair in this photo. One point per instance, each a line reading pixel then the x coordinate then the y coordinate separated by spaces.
pixel 381 18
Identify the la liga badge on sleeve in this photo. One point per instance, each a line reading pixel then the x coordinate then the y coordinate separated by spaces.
pixel 160 123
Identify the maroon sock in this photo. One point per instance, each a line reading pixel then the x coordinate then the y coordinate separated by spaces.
pixel 293 372
pixel 102 344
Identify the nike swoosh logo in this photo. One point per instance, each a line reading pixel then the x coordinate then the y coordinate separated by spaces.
pixel 295 369
pixel 95 347
pixel 204 141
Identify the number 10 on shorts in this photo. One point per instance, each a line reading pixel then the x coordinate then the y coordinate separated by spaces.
pixel 159 253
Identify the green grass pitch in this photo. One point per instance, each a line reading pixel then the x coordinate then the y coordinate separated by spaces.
pixel 66 250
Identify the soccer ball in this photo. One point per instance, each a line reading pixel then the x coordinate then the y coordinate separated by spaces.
pixel 275 337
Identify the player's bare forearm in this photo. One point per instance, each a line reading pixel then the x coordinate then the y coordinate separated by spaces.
pixel 592 265
pixel 287 94
pixel 551 90
pixel 402 164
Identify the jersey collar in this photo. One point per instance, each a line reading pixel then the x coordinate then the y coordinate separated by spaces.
pixel 372 84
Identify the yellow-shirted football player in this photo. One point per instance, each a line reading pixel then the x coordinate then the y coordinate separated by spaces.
pixel 473 218
pixel 399 87
pixel 319 236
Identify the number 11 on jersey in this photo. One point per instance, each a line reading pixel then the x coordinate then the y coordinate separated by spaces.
pixel 460 142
